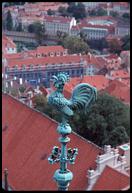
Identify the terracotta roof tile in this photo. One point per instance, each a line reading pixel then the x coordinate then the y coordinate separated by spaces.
pixel 120 74
pixel 59 19
pixel 7 43
pixel 111 179
pixel 47 49
pixel 98 81
pixel 120 90
pixel 28 142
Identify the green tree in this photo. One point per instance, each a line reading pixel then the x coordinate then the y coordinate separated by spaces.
pixel 9 21
pixel 75 45
pixel 19 27
pixel 22 89
pixel 14 92
pixel 78 10
pixel 126 15
pixel 42 105
pixel 50 12
pixel 115 46
pixel 107 118
pixel 92 13
pixel 38 29
pixel 63 12
pixel 114 14
pixel 98 12
pixel 126 42
pixel 118 135
pixel 98 44
pixel 107 122
pixel 101 12
pixel 40 102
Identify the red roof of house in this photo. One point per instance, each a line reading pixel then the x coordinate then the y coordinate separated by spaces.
pixel 32 53
pixel 13 56
pixel 59 19
pixel 111 179
pixel 43 90
pixel 68 59
pixel 120 90
pixel 27 143
pixel 47 49
pixel 98 81
pixel 44 60
pixel 7 43
pixel 112 56
pixel 120 74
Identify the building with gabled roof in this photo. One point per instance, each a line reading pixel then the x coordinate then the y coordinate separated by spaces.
pixel 41 68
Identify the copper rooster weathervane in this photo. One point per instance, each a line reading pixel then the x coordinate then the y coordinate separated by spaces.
pixel 82 97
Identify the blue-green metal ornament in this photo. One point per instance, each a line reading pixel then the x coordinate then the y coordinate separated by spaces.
pixel 83 95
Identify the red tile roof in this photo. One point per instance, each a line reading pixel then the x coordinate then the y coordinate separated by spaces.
pixel 120 74
pixel 98 81
pixel 45 60
pixel 111 179
pixel 59 19
pixel 120 90
pixel 7 43
pixel 44 90
pixel 48 49
pixel 112 56
pixel 44 6
pixel 13 56
pixel 68 59
pixel 27 143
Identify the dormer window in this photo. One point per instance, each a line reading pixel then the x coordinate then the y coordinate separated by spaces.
pixel 58 53
pixel 51 54
pixel 15 67
pixel 23 66
pixel 38 66
pixel 31 66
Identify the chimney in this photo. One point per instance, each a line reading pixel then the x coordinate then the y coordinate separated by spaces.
pixel 11 83
pixel 6 85
pixel 92 177
pixel 125 150
pixel 107 148
pixel 89 56
pixel 20 81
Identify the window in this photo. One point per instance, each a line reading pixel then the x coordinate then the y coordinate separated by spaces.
pixel 23 67
pixel 31 66
pixel 78 71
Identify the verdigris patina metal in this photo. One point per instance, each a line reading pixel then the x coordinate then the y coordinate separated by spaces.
pixel 82 97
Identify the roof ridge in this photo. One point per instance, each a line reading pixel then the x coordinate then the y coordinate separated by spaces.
pixel 43 114
pixel 116 170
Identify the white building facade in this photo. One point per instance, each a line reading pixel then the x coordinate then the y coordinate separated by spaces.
pixel 94 33
pixel 55 23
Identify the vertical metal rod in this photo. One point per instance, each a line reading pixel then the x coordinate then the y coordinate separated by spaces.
pixel 6 178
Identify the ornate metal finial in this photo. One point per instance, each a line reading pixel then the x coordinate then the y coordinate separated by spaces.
pixel 82 97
